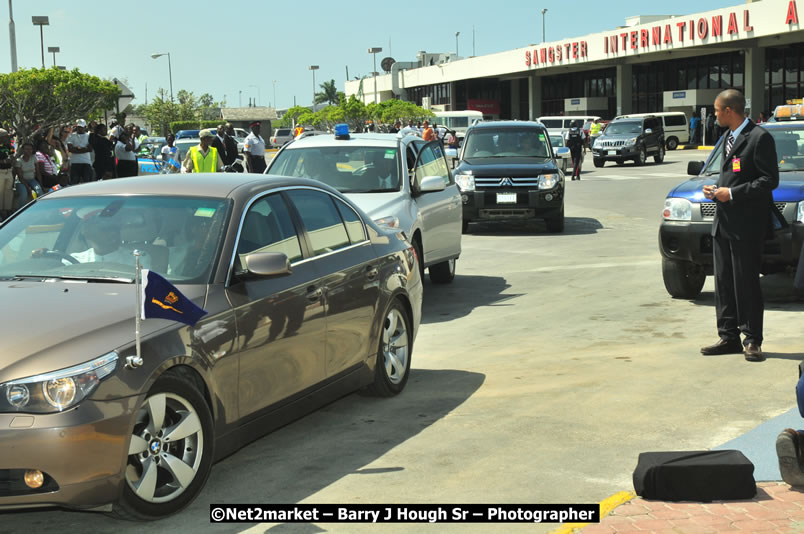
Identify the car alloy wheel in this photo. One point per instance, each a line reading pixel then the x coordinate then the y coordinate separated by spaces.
pixel 659 157
pixel 394 354
pixel 641 157
pixel 170 452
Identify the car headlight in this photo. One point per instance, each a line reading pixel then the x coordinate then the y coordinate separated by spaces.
pixel 389 222
pixel 548 181
pixel 465 181
pixel 632 141
pixel 58 390
pixel 677 209
pixel 800 212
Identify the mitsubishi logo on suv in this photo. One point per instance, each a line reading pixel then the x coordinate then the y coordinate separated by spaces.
pixel 506 182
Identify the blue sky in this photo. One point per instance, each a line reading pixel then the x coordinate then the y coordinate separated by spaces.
pixel 228 46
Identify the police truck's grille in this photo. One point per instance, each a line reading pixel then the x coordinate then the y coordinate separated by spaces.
pixel 708 208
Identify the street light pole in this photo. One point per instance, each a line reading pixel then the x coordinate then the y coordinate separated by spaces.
pixel 274 82
pixel 41 22
pixel 374 51
pixel 456 43
pixel 543 12
pixel 53 50
pixel 313 68
pixel 12 37
pixel 170 70
pixel 259 94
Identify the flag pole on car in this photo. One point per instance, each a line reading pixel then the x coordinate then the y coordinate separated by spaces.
pixel 132 362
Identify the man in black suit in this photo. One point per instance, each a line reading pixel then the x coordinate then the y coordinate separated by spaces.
pixel 223 144
pixel 743 218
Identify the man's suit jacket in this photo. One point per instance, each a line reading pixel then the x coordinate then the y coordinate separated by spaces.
pixel 230 154
pixel 751 170
pixel 216 142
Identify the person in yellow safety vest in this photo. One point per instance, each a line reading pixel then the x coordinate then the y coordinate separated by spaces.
pixel 203 158
pixel 594 132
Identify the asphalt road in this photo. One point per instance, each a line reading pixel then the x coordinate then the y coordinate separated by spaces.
pixel 538 376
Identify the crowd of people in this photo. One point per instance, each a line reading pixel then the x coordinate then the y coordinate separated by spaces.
pixel 67 155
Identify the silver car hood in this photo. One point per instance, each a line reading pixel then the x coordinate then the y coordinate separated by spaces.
pixel 379 205
pixel 46 326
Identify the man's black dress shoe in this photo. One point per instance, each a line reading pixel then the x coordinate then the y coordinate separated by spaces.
pixel 753 353
pixel 723 347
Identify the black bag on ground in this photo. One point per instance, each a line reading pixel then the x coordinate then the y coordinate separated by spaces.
pixel 694 476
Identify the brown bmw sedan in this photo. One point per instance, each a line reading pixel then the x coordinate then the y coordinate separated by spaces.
pixel 306 299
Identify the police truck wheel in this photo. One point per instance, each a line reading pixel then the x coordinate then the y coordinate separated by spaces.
pixel 682 279
pixel 599 162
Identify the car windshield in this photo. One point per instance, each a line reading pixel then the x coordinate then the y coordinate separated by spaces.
pixel 506 142
pixel 789 151
pixel 624 128
pixel 93 238
pixel 349 169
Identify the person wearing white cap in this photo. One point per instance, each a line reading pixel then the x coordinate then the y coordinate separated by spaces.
pixel 204 157
pixel 80 157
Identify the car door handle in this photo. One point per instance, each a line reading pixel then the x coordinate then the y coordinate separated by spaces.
pixel 371 272
pixel 314 293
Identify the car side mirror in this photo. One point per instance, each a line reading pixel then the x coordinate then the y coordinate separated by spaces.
pixel 694 168
pixel 648 131
pixel 431 184
pixel 562 151
pixel 267 264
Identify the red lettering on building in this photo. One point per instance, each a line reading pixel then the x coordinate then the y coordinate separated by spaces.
pixel 613 42
pixel 681 31
pixel 644 38
pixel 746 26
pixel 624 37
pixel 535 57
pixel 551 56
pixel 668 34
pixel 691 30
pixel 733 30
pixel 717 26
pixel 703 28
pixel 574 50
pixel 657 36
pixel 634 37
pixel 543 56
pixel 567 49
pixel 527 58
pixel 558 53
pixel 584 49
pixel 792 13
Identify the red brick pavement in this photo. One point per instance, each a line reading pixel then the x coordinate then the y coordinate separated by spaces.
pixel 776 508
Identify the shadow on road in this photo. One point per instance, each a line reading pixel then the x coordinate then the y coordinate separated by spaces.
pixel 445 302
pixel 777 292
pixel 572 226
pixel 296 461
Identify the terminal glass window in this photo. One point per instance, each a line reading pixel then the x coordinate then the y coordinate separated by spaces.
pixel 783 79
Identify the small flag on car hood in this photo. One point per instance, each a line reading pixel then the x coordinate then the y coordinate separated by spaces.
pixel 161 300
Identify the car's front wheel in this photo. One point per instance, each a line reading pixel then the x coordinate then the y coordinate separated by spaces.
pixel 170 452
pixel 659 156
pixel 682 279
pixel 556 224
pixel 599 162
pixel 393 356
pixel 642 157
pixel 443 273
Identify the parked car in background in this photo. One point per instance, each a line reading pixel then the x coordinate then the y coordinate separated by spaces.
pixel 306 299
pixel 630 139
pixel 399 180
pixel 187 134
pixel 507 171
pixel 281 137
pixel 674 123
pixel 563 157
pixel 562 123
pixel 684 235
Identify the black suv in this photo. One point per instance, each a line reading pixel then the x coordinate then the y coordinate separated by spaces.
pixel 633 138
pixel 507 171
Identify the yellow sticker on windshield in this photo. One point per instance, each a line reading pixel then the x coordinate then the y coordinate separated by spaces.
pixel 204 212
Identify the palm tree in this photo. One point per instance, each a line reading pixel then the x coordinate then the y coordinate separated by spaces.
pixel 328 94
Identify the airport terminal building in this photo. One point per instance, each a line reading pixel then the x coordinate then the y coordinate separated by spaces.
pixel 653 63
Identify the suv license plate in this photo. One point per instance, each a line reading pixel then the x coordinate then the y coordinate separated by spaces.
pixel 612 152
pixel 506 198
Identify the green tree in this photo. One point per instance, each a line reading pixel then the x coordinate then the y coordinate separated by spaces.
pixel 291 116
pixel 34 100
pixel 160 112
pixel 328 94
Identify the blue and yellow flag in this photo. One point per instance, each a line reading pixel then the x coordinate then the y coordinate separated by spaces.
pixel 161 300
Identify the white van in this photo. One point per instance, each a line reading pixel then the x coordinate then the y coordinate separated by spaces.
pixel 676 126
pixel 561 123
pixel 459 121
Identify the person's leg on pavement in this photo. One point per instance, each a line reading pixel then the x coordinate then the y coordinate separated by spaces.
pixel 746 259
pixel 725 300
